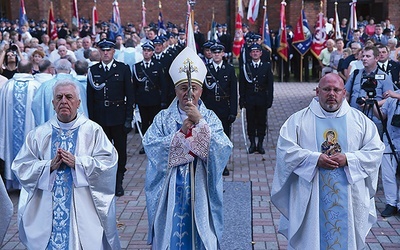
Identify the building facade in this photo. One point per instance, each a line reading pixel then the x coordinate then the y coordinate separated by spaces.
pixel 224 11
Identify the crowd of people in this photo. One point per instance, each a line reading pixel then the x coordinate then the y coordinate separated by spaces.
pixel 68 105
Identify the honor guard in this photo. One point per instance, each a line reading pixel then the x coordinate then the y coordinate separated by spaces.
pixel 256 94
pixel 110 99
pixel 206 56
pixel 220 90
pixel 150 87
pixel 165 60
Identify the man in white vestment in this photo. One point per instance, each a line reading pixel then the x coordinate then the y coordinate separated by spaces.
pixel 16 117
pixel 186 144
pixel 67 169
pixel 41 105
pixel 6 208
pixel 326 174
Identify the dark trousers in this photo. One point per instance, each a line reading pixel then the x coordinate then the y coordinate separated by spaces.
pixel 256 117
pixel 117 136
pixel 227 127
pixel 147 113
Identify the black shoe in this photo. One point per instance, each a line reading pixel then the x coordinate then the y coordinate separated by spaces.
pixel 260 149
pixel 226 172
pixel 389 211
pixel 119 191
pixel 252 148
pixel 142 151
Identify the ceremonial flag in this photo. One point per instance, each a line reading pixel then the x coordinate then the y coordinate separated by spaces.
pixel 240 8
pixel 319 38
pixel 213 32
pixel 338 34
pixel 238 40
pixel 52 23
pixel 143 15
pixel 115 24
pixel 252 13
pixel 283 45
pixel 95 19
pixel 161 27
pixel 75 17
pixel 22 14
pixel 266 36
pixel 190 42
pixel 353 20
pixel 302 36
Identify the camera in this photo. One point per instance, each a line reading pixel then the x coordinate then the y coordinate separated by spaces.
pixel 13 46
pixel 369 86
pixel 360 101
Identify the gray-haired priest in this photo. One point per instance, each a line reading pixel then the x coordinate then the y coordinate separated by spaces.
pixel 186 134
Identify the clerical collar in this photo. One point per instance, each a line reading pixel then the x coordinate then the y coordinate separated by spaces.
pixel 330 114
pixel 67 125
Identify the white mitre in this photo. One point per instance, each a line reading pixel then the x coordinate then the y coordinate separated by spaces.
pixel 188 58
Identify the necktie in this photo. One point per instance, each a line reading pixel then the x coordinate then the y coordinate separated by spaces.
pixel 106 68
pixel 218 68
pixel 383 67
pixel 379 38
pixel 146 65
pixel 256 65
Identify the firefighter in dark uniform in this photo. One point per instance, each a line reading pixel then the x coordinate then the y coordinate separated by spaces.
pixel 166 60
pixel 256 94
pixel 150 87
pixel 220 90
pixel 110 102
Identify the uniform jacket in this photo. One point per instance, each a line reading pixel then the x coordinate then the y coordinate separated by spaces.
pixel 393 68
pixel 110 95
pixel 256 86
pixel 220 90
pixel 150 86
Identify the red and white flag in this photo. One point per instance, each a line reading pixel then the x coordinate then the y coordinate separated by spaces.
pixel 75 16
pixel 320 37
pixel 252 13
pixel 283 44
pixel 52 24
pixel 238 40
pixel 353 20
pixel 95 19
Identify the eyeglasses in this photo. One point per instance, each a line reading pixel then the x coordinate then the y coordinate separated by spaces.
pixel 328 90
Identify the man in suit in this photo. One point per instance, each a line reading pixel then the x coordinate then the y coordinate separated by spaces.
pixel 150 87
pixel 388 65
pixel 256 94
pixel 110 99
pixel 379 37
pixel 220 90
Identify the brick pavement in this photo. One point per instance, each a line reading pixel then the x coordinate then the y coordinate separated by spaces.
pixel 131 208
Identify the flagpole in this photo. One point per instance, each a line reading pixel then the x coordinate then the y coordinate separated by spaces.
pixel 264 16
pixel 301 54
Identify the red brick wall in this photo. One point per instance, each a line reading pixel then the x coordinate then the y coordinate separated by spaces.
pixel 175 11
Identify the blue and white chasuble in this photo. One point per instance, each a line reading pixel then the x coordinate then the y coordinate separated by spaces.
pixel 168 191
pixel 331 134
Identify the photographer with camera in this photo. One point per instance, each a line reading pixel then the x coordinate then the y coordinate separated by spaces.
pixel 9 58
pixel 367 85
pixel 390 110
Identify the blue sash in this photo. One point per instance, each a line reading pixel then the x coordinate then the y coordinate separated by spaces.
pixel 331 135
